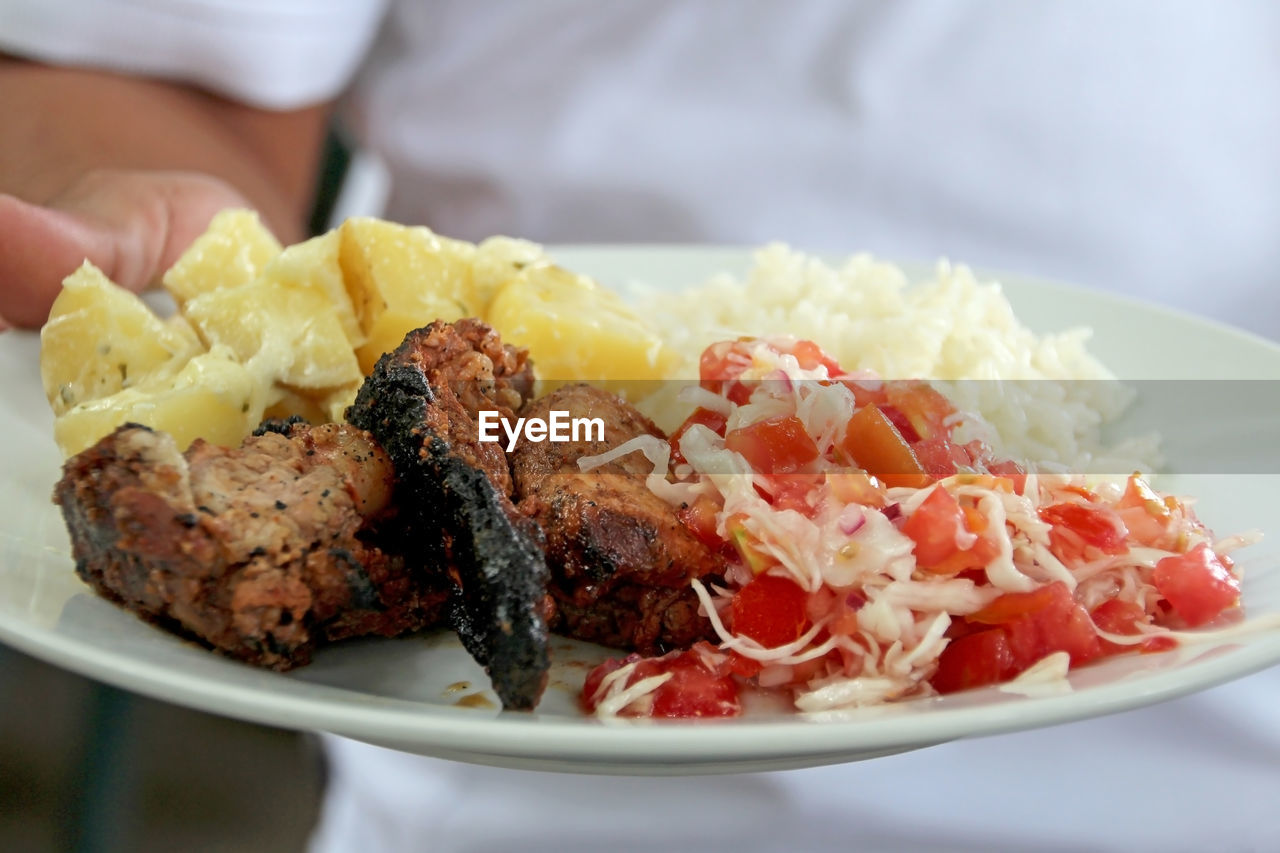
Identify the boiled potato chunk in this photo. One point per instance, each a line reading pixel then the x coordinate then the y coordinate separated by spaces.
pixel 101 338
pixel 401 278
pixel 577 331
pixel 283 333
pixel 283 403
pixel 498 260
pixel 233 251
pixel 392 267
pixel 327 405
pixel 389 329
pixel 294 330
pixel 336 402
pixel 315 264
pixel 213 397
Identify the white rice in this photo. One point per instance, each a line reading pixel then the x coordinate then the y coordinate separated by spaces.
pixel 950 326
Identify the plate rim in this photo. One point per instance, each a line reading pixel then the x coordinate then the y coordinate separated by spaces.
pixel 426 725
pixel 589 741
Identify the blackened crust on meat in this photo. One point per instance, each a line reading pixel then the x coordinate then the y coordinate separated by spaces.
pixel 620 559
pixel 283 426
pixel 260 552
pixel 420 402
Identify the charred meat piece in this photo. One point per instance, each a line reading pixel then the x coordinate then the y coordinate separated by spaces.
pixel 261 552
pixel 620 559
pixel 421 402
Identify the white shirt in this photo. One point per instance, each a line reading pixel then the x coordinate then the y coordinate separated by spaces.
pixel 1125 146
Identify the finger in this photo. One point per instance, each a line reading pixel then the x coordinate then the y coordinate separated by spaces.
pixel 38 248
pixel 133 225
pixel 190 201
pixel 147 219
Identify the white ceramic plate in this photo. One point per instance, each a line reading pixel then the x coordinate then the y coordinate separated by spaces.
pixel 425 695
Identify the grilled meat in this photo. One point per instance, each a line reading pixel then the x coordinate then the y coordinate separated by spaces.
pixel 400 521
pixel 620 559
pixel 261 552
pixel 421 403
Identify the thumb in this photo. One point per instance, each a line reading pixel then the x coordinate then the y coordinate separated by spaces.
pixel 131 224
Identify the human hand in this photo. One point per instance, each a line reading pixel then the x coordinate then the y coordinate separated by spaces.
pixel 133 224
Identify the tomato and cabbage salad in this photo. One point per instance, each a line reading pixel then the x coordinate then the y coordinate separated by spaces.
pixel 872 556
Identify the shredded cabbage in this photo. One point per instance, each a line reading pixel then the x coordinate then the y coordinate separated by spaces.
pixel 878 622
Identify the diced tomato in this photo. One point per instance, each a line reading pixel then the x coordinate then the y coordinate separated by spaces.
pixel 723 361
pixel 844 620
pixel 597 675
pixel 940 457
pixel 986 481
pixel 1015 605
pixel 820 603
pixel 839 608
pixel 1118 617
pixel 974 520
pixel 792 491
pixel 934 527
pixel 778 445
pixel 937 527
pixel 742 666
pixel 810 356
pixel 1148 517
pixel 1040 622
pixel 978 557
pixel 1158 644
pixel 727 360
pixel 739 392
pixel 722 364
pixel 974 660
pixel 1123 617
pixel 712 420
pixel 1034 636
pixel 866 393
pixel 875 445
pixel 1084 492
pixel 693 690
pixel 772 610
pixel 700 519
pixel 1196 584
pixel 1137 493
pixel 1089 525
pixel 855 487
pixel 900 422
pixel 1012 471
pixel 923 407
